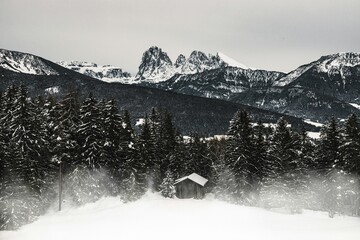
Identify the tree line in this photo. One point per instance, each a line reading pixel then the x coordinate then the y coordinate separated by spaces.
pixel 91 150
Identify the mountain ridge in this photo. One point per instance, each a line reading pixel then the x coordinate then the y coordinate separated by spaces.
pixel 327 87
pixel 191 113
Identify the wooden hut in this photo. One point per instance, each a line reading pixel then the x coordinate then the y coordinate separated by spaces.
pixel 192 186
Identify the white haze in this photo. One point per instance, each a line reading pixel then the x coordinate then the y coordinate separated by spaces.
pixel 155 217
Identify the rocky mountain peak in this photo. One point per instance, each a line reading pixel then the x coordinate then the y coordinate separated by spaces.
pixel 155 64
pixel 180 61
pixel 198 62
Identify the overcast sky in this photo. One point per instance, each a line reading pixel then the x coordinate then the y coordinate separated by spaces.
pixel 266 34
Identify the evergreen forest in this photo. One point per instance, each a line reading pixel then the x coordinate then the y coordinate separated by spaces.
pixel 77 152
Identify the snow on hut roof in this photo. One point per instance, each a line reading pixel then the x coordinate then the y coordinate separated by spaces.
pixel 193 177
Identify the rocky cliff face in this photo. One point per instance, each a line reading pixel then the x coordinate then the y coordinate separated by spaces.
pixel 155 65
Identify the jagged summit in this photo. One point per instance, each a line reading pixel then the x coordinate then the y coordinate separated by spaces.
pixel 199 62
pixel 155 65
pixel 180 61
pixel 25 63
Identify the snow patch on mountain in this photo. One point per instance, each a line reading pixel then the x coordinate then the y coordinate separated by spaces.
pixel 52 90
pixel 330 64
pixel 231 62
pixel 337 61
pixel 24 63
pixel 105 73
pixel 316 124
pixel 293 75
pixel 355 105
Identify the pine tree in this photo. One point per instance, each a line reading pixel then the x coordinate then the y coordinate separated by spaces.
pixel 226 188
pixel 350 151
pixel 85 185
pixel 26 135
pixel 66 148
pixel 130 189
pixel 283 184
pixel 25 169
pixel 164 135
pixel 167 187
pixel 239 156
pixel 350 148
pixel 329 162
pixel 90 135
pixel 261 159
pixel 113 132
pixel 197 150
pixel 146 154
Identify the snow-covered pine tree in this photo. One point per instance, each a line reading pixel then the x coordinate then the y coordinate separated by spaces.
pixel 180 159
pixel 283 184
pixel 146 154
pixel 46 115
pixel 350 150
pixel 90 135
pixel 131 190
pixel 329 160
pixel 66 143
pixel 113 132
pixel 167 187
pixel 164 135
pixel 19 204
pixel 239 155
pixel 130 164
pixel 197 150
pixel 307 167
pixel 24 179
pixel 226 188
pixel 85 185
pixel 88 180
pixel 215 153
pixel 167 140
pixel 261 159
pixel 26 134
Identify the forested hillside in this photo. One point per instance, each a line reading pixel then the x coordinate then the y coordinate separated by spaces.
pixel 91 147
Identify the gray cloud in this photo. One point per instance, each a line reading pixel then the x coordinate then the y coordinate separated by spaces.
pixel 268 34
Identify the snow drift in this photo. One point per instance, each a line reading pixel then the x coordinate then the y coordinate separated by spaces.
pixel 155 217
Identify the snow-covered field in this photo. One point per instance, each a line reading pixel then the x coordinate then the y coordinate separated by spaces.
pixel 154 217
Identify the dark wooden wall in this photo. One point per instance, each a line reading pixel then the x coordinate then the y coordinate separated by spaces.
pixel 189 189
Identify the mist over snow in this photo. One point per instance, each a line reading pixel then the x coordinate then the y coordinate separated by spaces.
pixel 154 217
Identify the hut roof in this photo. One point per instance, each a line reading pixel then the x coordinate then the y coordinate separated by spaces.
pixel 195 178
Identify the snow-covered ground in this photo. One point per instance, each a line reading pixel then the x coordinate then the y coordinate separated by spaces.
pixel 155 217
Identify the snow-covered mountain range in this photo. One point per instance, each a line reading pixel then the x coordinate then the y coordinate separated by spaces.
pixel 156 66
pixel 329 86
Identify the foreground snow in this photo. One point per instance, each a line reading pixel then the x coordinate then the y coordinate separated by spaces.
pixel 154 217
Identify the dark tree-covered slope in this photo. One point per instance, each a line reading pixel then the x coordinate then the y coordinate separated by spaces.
pixel 191 114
